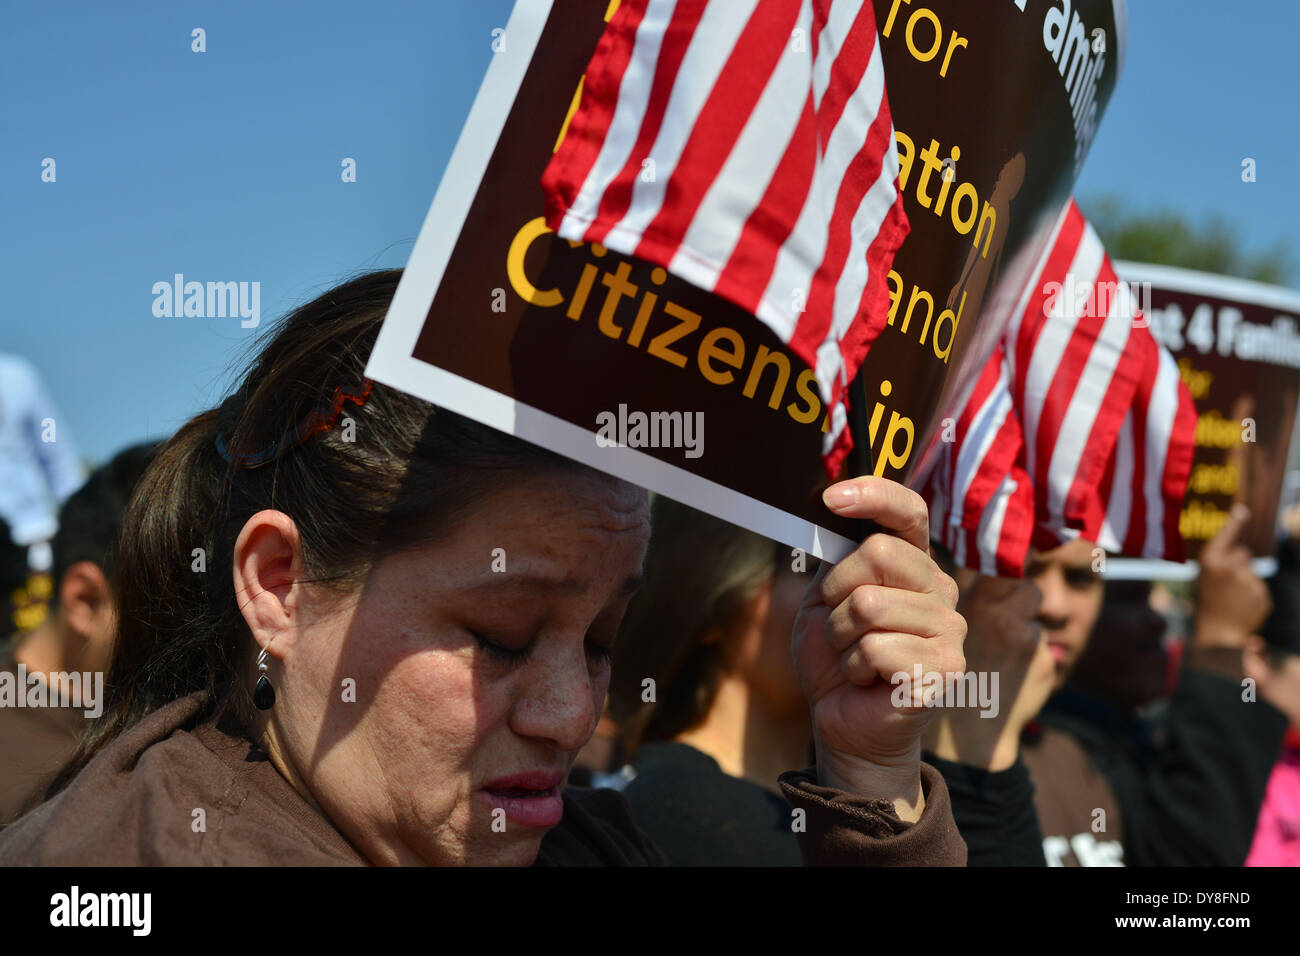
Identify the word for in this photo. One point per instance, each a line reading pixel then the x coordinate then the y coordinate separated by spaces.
pixel 651 430
pixel 924 14
pixel 215 301
pixel 934 689
pixel 1198 381
pixel 23 689
pixel 103 909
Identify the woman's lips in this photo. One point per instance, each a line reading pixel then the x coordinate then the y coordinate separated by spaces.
pixel 1059 652
pixel 528 799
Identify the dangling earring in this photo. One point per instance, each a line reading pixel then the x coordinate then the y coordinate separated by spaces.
pixel 263 693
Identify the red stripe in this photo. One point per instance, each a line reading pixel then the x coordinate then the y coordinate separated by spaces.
pixel 1135 538
pixel 1108 477
pixel 730 104
pixel 1178 469
pixel 572 164
pixel 1017 526
pixel 863 170
pixel 1035 315
pixel 617 197
pixel 813 328
pixel 1084 337
pixel 748 271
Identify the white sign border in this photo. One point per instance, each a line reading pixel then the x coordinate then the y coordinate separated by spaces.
pixel 392 363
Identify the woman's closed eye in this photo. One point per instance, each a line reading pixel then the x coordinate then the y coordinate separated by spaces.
pixel 506 652
pixel 514 652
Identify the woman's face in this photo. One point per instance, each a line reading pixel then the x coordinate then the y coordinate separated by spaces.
pixel 479 665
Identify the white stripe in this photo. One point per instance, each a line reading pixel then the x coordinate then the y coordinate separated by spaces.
pixel 744 177
pixel 1161 413
pixel 979 440
pixel 1114 528
pixel 1053 338
pixel 989 533
pixel 711 44
pixel 629 113
pixel 867 219
pixel 805 248
pixel 829 42
pixel 1031 287
pixel 1086 401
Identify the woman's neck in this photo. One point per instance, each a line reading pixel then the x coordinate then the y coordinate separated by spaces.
pixel 749 740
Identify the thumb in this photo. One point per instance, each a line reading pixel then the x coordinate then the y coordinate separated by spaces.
pixel 1228 535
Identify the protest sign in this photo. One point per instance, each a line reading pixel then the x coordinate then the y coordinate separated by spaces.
pixel 629 369
pixel 1237 345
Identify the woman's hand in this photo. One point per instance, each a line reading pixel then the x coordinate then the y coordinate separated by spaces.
pixel 881 611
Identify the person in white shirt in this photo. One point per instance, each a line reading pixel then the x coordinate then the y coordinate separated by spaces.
pixel 39 462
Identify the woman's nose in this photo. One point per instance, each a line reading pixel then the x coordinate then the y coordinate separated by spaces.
pixel 556 701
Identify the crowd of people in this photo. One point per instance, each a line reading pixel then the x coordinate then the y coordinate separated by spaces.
pixel 417 640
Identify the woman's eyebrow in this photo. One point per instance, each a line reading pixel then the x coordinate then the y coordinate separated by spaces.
pixel 540 581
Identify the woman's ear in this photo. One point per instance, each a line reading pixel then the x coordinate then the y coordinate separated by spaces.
pixel 267 566
pixel 740 636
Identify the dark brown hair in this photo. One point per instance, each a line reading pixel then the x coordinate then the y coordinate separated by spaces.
pixel 387 477
pixel 699 573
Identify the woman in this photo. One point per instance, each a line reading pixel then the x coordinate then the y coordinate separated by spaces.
pixel 711 627
pixel 434 603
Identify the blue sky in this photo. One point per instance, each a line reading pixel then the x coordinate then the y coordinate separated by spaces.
pixel 225 165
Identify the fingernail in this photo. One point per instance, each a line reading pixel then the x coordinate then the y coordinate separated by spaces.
pixel 841 496
pixel 1240 512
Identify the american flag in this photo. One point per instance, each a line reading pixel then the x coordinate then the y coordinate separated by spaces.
pixel 1079 425
pixel 748 148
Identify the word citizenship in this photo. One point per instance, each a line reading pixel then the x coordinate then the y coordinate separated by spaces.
pixel 212 300
pixel 24 689
pixel 652 430
pixel 668 331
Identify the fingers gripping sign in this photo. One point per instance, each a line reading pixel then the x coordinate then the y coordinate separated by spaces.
pixel 879 612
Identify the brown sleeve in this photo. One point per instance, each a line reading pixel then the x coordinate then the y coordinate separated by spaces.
pixel 842 829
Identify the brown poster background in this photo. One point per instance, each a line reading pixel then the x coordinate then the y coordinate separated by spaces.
pixel 1237 345
pixel 577 332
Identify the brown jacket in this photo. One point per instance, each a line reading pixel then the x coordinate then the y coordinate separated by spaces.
pixel 137 803
pixel 34 743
